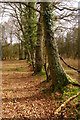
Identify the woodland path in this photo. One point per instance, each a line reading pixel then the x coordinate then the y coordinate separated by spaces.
pixel 22 95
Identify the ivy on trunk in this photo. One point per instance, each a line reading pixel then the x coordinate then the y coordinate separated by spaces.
pixel 57 73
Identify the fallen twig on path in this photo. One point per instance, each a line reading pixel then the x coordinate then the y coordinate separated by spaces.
pixel 64 104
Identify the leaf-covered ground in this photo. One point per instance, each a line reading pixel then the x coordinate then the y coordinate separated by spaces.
pixel 24 96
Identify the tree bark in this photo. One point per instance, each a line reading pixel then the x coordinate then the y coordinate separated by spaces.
pixel 59 77
pixel 30 35
pixel 21 56
pixel 38 55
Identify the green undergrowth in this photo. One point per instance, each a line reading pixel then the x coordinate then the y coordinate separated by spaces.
pixel 70 91
pixel 73 107
pixel 42 74
pixel 44 90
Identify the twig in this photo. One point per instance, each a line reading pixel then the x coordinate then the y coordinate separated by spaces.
pixel 64 104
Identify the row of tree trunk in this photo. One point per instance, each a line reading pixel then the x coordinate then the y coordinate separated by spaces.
pixel 46 46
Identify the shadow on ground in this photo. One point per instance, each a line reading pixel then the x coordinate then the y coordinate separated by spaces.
pixel 38 118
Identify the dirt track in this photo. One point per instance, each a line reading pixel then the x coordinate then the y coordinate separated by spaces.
pixel 22 95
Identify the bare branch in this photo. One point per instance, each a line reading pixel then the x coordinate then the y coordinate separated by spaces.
pixel 65 8
pixel 31 7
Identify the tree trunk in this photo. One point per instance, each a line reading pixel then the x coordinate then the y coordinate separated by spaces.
pixel 21 51
pixel 38 55
pixel 59 77
pixel 30 35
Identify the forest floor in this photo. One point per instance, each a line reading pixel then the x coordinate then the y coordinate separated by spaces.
pixel 26 96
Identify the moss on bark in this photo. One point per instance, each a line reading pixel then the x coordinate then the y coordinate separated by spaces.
pixel 38 55
pixel 58 75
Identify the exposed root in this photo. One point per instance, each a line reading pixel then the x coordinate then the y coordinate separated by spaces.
pixel 73 82
pixel 64 104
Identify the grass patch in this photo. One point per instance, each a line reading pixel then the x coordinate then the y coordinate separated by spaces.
pixel 44 91
pixel 42 74
pixel 70 91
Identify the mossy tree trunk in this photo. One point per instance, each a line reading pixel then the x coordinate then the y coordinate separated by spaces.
pixel 59 77
pixel 38 55
pixel 30 30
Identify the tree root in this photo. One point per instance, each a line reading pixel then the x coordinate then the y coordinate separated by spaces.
pixel 74 83
pixel 64 104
